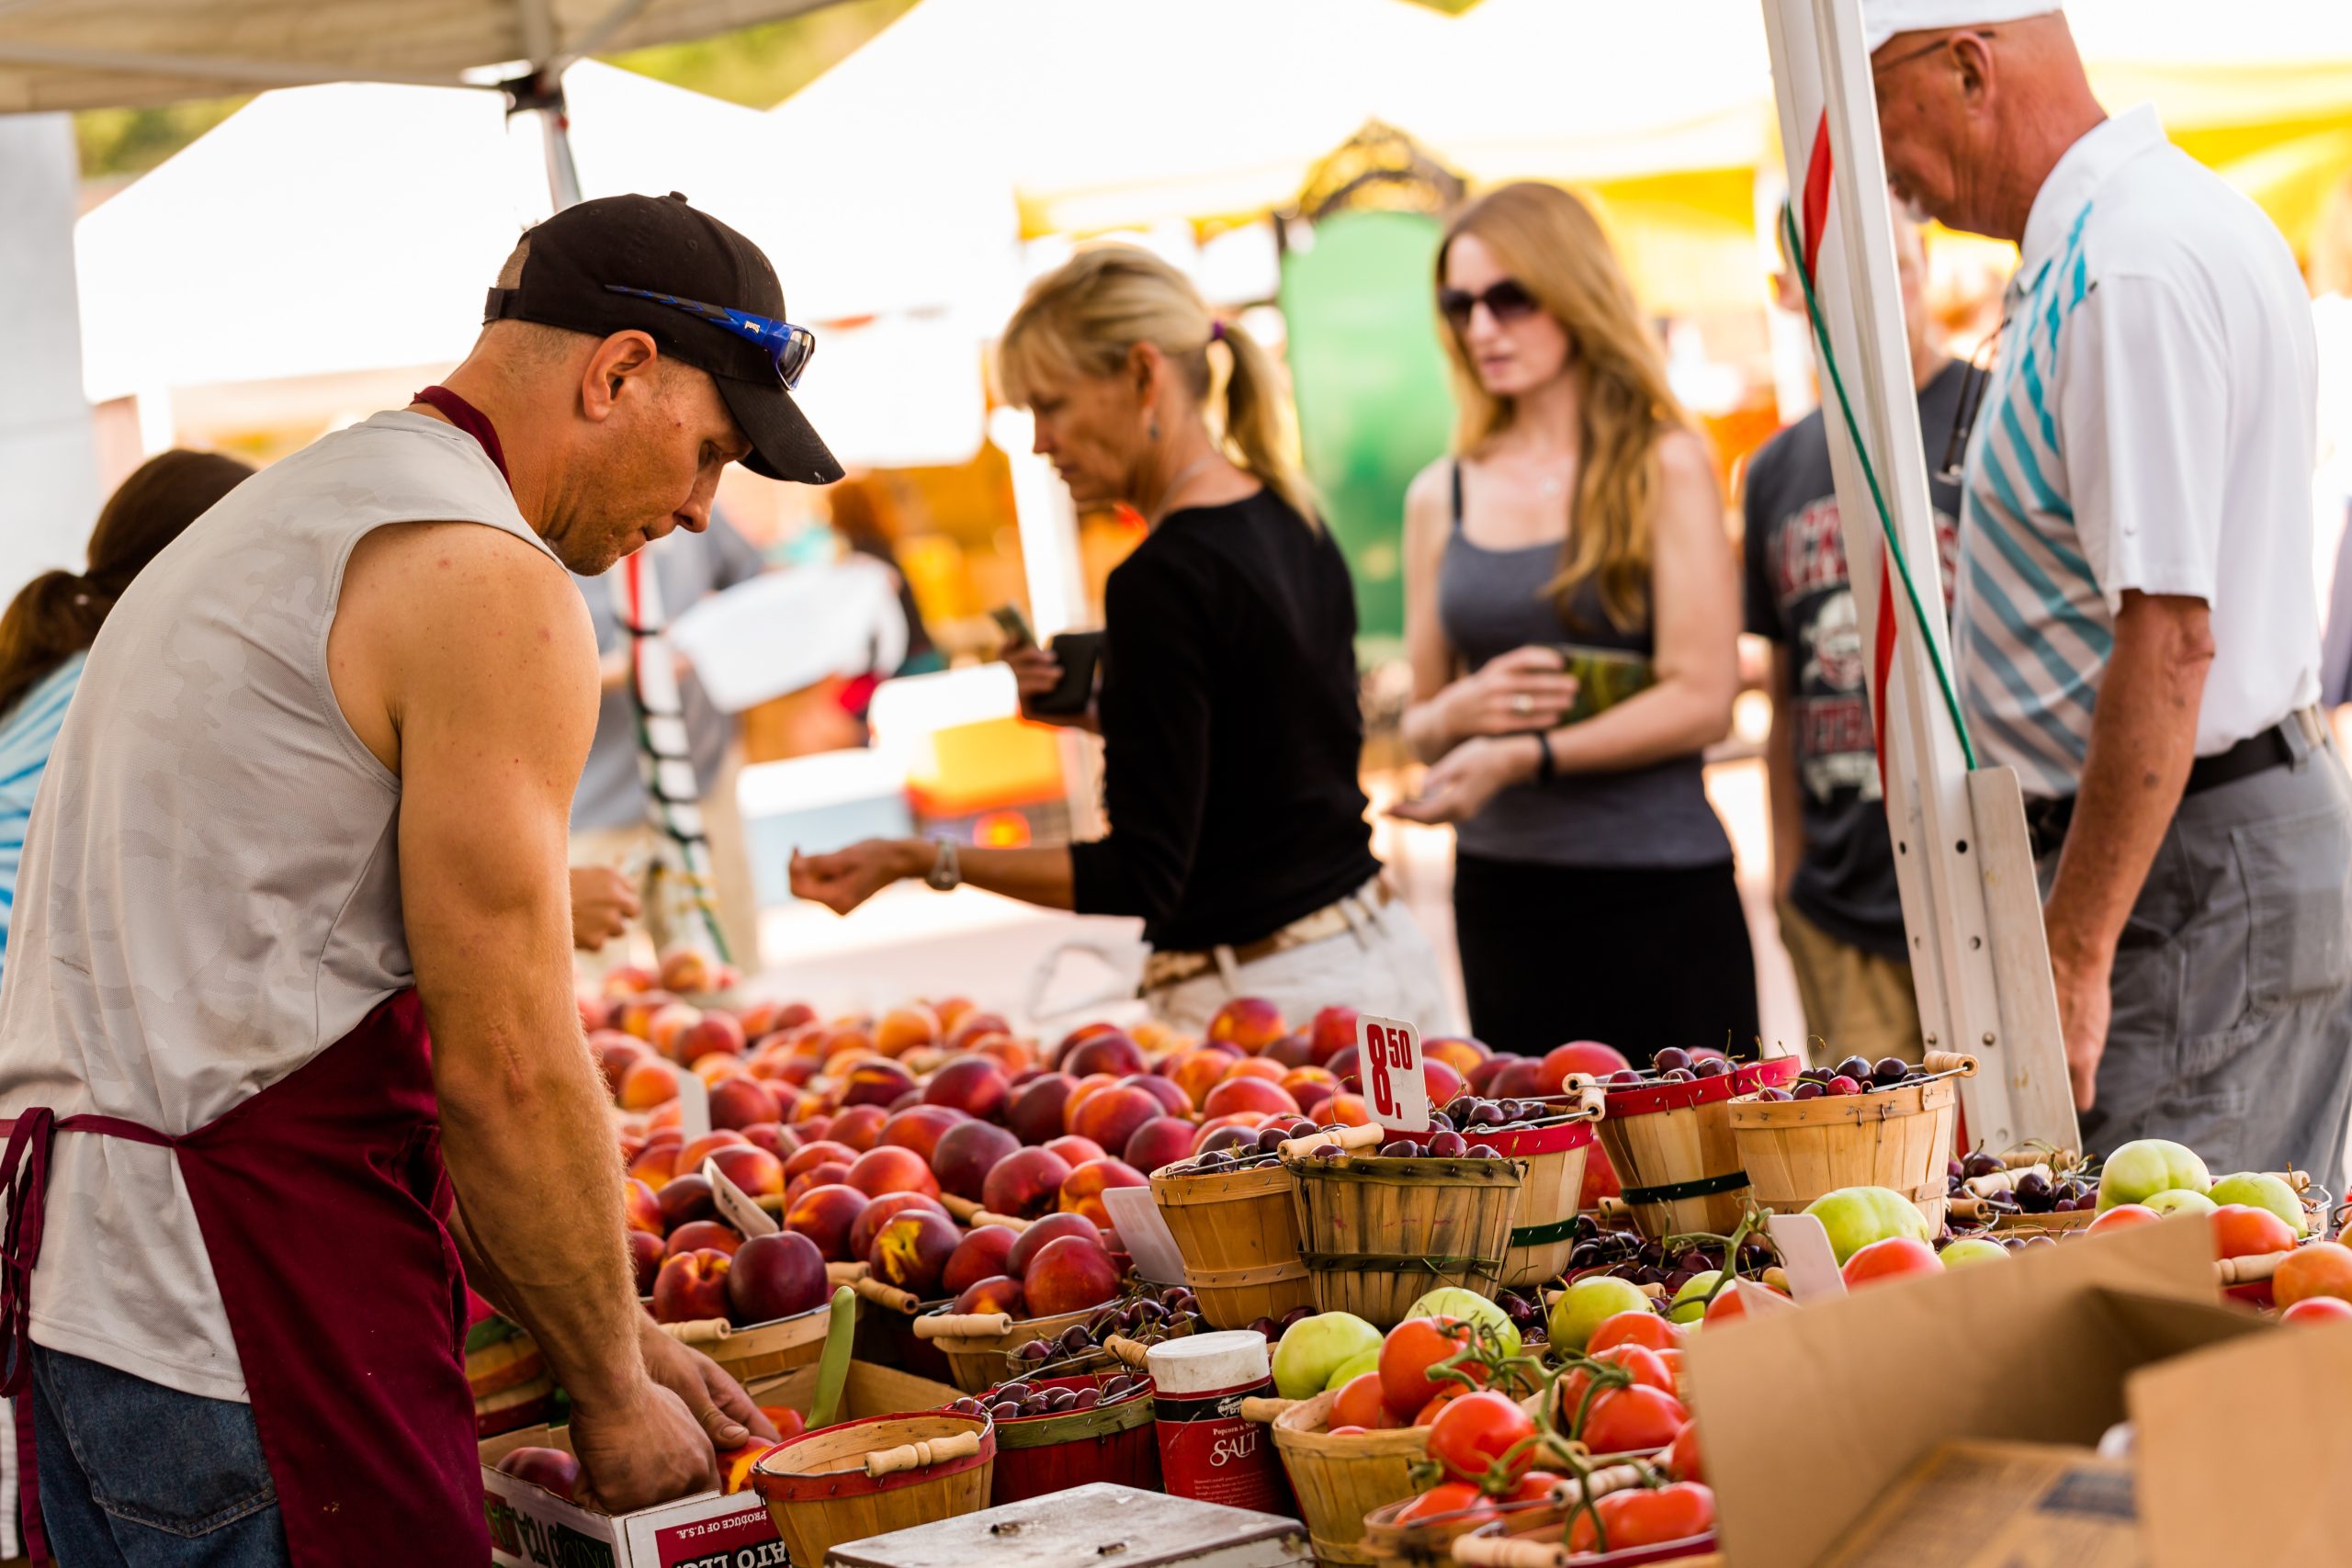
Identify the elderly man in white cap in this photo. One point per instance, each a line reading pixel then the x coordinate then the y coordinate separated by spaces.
pixel 2133 614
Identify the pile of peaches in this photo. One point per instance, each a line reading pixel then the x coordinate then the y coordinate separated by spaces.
pixel 871 1137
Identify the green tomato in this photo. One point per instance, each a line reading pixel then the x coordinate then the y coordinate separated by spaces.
pixel 2145 1167
pixel 2180 1201
pixel 1579 1309
pixel 1970 1250
pixel 2260 1189
pixel 1314 1348
pixel 1353 1366
pixel 1857 1216
pixel 1468 1306
pixel 1689 1303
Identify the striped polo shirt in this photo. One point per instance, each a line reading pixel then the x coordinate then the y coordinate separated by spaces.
pixel 2149 427
pixel 28 733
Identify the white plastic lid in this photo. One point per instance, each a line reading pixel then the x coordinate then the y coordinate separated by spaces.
pixel 1208 1363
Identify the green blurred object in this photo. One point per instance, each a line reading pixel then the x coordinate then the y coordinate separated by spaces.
pixel 1371 382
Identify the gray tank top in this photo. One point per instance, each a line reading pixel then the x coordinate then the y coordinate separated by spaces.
pixel 1491 602
pixel 210 894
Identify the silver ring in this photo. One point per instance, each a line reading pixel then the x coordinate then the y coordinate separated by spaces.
pixel 1523 704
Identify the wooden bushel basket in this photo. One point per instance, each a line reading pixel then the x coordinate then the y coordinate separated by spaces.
pixel 1428 1543
pixel 1795 1151
pixel 869 1477
pixel 1339 1480
pixel 1673 1151
pixel 1238 1234
pixel 1543 1220
pixel 977 1363
pixel 763 1350
pixel 1379 1232
pixel 1038 1455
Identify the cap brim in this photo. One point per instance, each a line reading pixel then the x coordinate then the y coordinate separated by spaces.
pixel 785 446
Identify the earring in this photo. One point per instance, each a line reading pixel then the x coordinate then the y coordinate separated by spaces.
pixel 1153 432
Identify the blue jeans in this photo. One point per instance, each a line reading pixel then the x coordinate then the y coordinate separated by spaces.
pixel 136 1475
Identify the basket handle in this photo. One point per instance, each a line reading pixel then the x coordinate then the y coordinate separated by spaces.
pixel 917 1456
pixel 964 1325
pixel 2249 1270
pixel 882 1295
pixel 1369 1136
pixel 1264 1409
pixel 1950 1062
pixel 1589 1100
pixel 1131 1351
pixel 1507 1552
pixel 845 1273
pixel 967 1213
pixel 1966 1206
pixel 701 1331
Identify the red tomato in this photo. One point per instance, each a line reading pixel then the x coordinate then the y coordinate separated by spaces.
pixel 1438 1401
pixel 1673 1362
pixel 1895 1257
pixel 1450 1498
pixel 1535 1486
pixel 2121 1216
pixel 2241 1230
pixel 1645 1328
pixel 1358 1404
pixel 1638 1518
pixel 1412 1348
pixel 2318 1309
pixel 1681 1456
pixel 1472 1432
pixel 1648 1368
pixel 1631 1420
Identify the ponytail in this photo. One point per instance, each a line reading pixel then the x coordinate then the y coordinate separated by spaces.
pixel 53 617
pixel 1257 426
pixel 58 613
pixel 1090 312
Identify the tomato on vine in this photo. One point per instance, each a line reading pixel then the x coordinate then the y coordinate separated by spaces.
pixel 1642 1518
pixel 1472 1432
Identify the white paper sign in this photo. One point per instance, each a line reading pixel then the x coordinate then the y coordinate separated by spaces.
pixel 1806 1257
pixel 1135 1215
pixel 1390 1065
pixel 735 1205
pixel 1756 1301
pixel 694 1104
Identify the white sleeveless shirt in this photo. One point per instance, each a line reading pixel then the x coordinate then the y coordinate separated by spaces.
pixel 210 894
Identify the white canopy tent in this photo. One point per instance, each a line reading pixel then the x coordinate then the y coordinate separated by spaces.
pixel 320 230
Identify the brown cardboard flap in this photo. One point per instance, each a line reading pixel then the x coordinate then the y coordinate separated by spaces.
pixel 873 1389
pixel 2001 1505
pixel 1808 1417
pixel 2244 1450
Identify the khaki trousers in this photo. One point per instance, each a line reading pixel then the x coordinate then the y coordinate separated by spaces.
pixel 1857 1003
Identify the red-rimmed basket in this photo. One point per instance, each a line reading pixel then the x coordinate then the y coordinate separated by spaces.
pixel 1040 1454
pixel 820 1494
pixel 1542 1221
pixel 1672 1147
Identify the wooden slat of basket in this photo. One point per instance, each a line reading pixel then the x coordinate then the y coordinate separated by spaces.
pixel 1380 1233
pixel 1230 1229
pixel 1548 1195
pixel 1665 1148
pixel 1796 1151
pixel 1338 1481
pixel 770 1350
pixel 815 1518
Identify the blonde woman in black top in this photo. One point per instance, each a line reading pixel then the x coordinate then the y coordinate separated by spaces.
pixel 1228 708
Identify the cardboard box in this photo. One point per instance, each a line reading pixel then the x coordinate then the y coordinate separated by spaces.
pixel 2001 1505
pixel 1808 1417
pixel 530 1528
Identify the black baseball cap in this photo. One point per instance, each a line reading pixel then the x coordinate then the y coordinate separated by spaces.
pixel 573 263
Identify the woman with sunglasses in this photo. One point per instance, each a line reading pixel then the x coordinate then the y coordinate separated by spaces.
pixel 1571 613
pixel 1228 704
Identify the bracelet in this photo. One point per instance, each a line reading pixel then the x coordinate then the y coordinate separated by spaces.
pixel 1546 770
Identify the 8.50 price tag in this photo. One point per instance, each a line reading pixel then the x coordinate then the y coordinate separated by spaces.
pixel 1394 1089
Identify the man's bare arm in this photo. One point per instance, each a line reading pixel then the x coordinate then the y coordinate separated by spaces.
pixel 486 671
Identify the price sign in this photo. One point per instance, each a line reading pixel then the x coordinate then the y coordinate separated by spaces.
pixel 693 1105
pixel 735 1205
pixel 1390 1063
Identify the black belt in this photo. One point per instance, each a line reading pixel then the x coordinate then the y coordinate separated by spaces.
pixel 2046 821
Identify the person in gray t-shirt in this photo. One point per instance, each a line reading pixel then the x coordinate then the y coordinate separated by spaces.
pixel 610 822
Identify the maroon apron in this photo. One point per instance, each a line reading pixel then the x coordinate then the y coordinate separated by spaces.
pixel 321 1201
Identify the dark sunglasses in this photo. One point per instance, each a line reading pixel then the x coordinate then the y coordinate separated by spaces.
pixel 790 348
pixel 1506 301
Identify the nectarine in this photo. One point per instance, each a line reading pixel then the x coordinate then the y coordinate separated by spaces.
pixel 825 1214
pixel 1162 1141
pixel 889 1168
pixel 1083 1188
pixel 691 1286
pixel 1250 1094
pixel 647 1083
pixel 1027 1245
pixel 966 1153
pixel 754 1171
pixel 997 1292
pixel 1251 1022
pixel 911 1249
pixel 741 1102
pixel 902 1029
pixel 775 1276
pixel 713 1233
pixel 975 1086
pixel 1025 1184
pixel 1068 1274
pixel 978 1256
pixel 1034 1111
pixel 859 1126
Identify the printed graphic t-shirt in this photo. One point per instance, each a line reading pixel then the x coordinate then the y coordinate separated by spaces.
pixel 1798 596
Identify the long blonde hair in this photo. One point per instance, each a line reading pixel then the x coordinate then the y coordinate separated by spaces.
pixel 1087 314
pixel 1550 242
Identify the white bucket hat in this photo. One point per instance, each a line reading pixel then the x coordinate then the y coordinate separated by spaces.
pixel 1881 19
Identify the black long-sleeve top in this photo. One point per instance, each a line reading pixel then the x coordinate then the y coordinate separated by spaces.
pixel 1232 730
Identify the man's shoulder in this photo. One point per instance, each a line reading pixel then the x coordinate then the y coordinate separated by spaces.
pixel 1795 453
pixel 2164 215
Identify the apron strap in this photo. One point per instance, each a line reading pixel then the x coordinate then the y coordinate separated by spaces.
pixel 24 1187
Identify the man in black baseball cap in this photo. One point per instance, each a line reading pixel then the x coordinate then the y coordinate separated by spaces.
pixel 383 684
pixel 705 294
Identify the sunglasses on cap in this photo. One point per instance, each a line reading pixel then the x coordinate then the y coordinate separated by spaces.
pixel 790 348
pixel 1506 301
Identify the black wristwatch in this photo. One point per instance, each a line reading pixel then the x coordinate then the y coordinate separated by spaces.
pixel 1546 770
